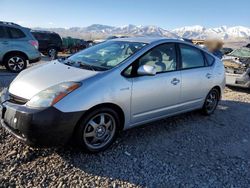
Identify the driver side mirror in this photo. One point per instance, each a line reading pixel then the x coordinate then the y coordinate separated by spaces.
pixel 146 70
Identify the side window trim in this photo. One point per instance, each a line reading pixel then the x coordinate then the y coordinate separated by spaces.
pixel 205 59
pixel 134 66
pixel 202 53
pixel 178 55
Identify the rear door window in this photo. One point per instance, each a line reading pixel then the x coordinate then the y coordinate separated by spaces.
pixel 3 33
pixel 15 33
pixel 191 57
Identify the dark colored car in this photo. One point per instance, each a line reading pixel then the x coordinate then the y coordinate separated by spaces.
pixel 50 43
pixel 248 46
pixel 74 45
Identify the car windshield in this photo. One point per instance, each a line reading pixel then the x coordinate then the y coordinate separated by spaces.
pixel 241 53
pixel 104 56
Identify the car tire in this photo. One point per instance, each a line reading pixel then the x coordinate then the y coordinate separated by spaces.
pixel 52 53
pixel 15 62
pixel 97 130
pixel 211 102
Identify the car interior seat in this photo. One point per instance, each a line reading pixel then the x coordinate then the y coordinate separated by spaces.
pixel 154 58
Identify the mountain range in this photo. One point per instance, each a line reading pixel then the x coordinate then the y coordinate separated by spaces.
pixel 96 31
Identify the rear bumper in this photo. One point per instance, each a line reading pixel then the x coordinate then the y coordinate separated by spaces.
pixel 35 60
pixel 38 127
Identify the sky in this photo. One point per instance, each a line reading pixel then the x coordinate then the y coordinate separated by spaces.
pixel 168 14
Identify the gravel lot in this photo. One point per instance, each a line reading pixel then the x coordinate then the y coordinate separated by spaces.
pixel 189 150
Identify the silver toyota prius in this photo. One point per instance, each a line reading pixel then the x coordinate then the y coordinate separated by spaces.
pixel 109 87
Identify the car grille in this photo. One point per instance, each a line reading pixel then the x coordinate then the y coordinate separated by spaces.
pixel 17 100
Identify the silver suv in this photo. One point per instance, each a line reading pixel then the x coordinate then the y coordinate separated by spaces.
pixel 112 86
pixel 17 47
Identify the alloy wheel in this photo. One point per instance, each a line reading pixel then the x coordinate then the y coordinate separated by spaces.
pixel 211 101
pixel 52 53
pixel 99 131
pixel 16 63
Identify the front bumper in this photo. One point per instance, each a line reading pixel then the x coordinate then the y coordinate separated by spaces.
pixel 37 127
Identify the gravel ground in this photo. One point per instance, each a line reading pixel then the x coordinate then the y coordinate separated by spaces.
pixel 189 150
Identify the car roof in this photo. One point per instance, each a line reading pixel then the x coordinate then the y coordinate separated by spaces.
pixel 42 32
pixel 147 40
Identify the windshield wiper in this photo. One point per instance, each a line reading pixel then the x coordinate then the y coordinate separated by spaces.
pixel 86 65
pixel 68 62
pixel 93 67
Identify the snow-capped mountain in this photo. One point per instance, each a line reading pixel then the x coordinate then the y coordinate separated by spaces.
pixel 222 32
pixel 193 32
pixel 101 31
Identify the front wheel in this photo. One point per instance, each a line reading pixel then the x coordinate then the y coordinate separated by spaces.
pixel 211 102
pixel 98 130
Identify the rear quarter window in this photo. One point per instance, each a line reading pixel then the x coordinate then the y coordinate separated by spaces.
pixel 41 36
pixel 37 35
pixel 209 59
pixel 15 33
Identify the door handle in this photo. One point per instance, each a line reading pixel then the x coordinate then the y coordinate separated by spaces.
pixel 208 75
pixel 175 81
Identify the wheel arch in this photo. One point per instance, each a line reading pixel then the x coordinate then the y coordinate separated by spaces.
pixel 113 106
pixel 218 89
pixel 52 46
pixel 15 52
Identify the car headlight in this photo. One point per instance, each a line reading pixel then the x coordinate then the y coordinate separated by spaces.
pixel 52 95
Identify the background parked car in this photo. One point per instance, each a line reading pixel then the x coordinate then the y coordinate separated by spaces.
pixel 237 66
pixel 74 45
pixel 50 43
pixel 17 46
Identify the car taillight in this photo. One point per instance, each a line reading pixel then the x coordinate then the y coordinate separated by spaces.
pixel 34 43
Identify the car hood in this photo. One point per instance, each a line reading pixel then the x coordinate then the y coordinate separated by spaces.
pixel 35 79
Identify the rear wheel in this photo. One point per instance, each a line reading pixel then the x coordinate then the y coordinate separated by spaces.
pixel 211 102
pixel 15 63
pixel 52 53
pixel 98 129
